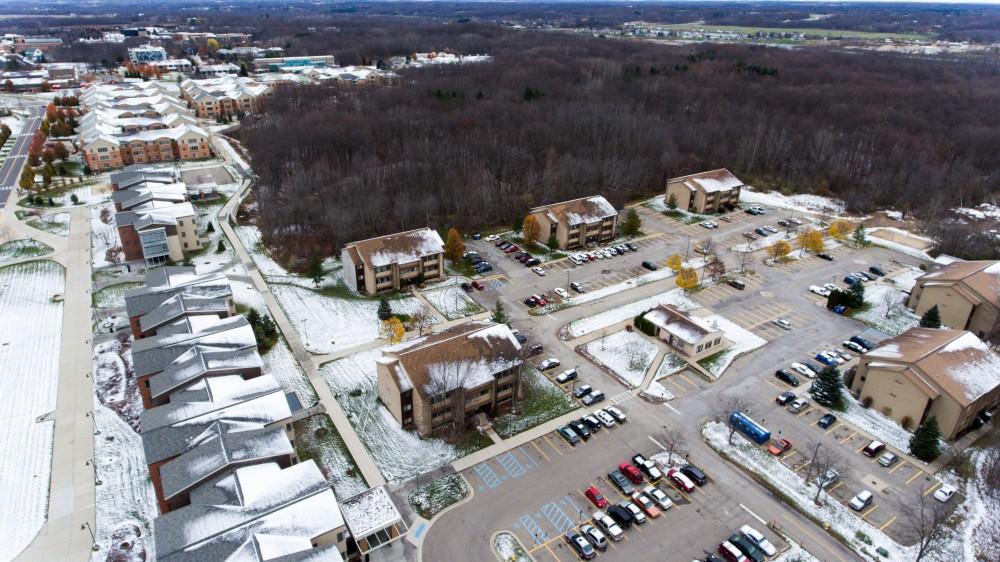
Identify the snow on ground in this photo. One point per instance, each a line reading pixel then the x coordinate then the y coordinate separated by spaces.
pixel 980 212
pixel 113 296
pixel 887 310
pixel 906 279
pixel 55 223
pixel 330 454
pixel 761 243
pixel 657 393
pixel 29 362
pixel 593 323
pixel 247 295
pixel 743 341
pixel 659 204
pixel 540 402
pixel 901 248
pixel 435 496
pixel 331 324
pixel 85 195
pixel 508 548
pixel 875 424
pixel 795 553
pixel 280 362
pixel 115 384
pixel 981 533
pixel 452 302
pixel 23 248
pixel 125 499
pixel 671 364
pixel 103 236
pixel 399 454
pixel 626 354
pixel 590 296
pixel 804 203
pixel 16 124
pixel 250 237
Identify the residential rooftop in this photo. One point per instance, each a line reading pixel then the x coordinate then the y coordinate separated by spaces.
pixel 710 182
pixel 404 247
pixel 578 211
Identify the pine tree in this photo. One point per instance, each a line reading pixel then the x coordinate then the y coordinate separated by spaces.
pixel 632 223
pixel 221 246
pixel 499 314
pixel 253 317
pixel 857 293
pixel 672 201
pixel 860 235
pixel 924 443
pixel 827 389
pixel 931 318
pixel 316 270
pixel 384 310
pixel 211 227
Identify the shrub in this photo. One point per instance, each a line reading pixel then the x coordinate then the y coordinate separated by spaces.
pixel 866 401
pixel 906 422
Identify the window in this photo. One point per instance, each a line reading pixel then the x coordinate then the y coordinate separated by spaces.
pixel 700 347
pixel 717 341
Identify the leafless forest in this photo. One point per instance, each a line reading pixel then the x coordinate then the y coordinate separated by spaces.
pixel 562 115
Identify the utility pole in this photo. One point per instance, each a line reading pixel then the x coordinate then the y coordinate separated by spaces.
pixel 812 463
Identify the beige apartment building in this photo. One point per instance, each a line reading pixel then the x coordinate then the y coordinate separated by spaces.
pixel 389 263
pixel 577 223
pixel 949 374
pixel 967 294
pixel 707 192
pixel 694 337
pixel 442 380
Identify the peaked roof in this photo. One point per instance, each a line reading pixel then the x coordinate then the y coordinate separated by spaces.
pixel 183 304
pixel 576 211
pixel 154 354
pixel 981 277
pixel 403 247
pixel 709 182
pixel 165 282
pixel 201 361
pixel 688 328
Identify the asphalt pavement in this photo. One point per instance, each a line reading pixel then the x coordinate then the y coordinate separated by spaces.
pixel 10 170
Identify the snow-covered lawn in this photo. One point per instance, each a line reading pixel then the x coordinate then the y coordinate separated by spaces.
pixel 626 354
pixel 589 324
pixel 898 246
pixel 761 243
pixel 452 302
pixel 886 309
pixel 540 402
pixel 399 454
pixel 657 393
pixel 875 424
pixel 85 195
pixel 246 294
pixel 55 223
pixel 906 279
pixel 743 341
pixel 113 296
pixel 508 548
pixel 30 333
pixel 114 380
pixel 23 248
pixel 435 496
pixel 803 203
pixel 317 438
pixel 250 237
pixel 280 362
pixel 671 364
pixel 103 235
pixel 331 324
pixel 659 204
pixel 980 212
pixel 981 533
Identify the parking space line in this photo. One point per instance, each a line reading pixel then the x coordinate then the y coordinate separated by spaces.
pixel 867 513
pixel 557 517
pixel 914 477
pixel 835 486
pixel 803 412
pixel 488 475
pixel 685 379
pixel 531 462
pixel 848 438
pixel 803 465
pixel 546 438
pixel 901 465
pixel 552 552
pixel 513 467
pixel 532 527
pixel 834 428
pixel 861 448
pixel 775 385
pixel 932 488
pixel 887 523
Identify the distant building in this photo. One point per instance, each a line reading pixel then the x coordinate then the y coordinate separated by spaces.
pixel 225 95
pixel 216 70
pixel 694 337
pixel 448 377
pixel 967 294
pixel 172 65
pixel 389 263
pixel 145 54
pixel 273 64
pixel 706 192
pixel 949 374
pixel 578 223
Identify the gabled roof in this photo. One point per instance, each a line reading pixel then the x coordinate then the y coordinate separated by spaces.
pixel 202 361
pixel 180 305
pixel 154 213
pixel 142 193
pixel 369 511
pixel 681 324
pixel 404 247
pixel 164 282
pixel 980 277
pixel 154 354
pixel 577 211
pixel 468 355
pixel 710 182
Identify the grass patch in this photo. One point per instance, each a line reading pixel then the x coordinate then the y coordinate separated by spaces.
pixel 713 361
pixel 541 401
pixel 434 497
pixel 113 296
pixel 471 442
pixel 317 439
pixel 340 290
pixel 23 248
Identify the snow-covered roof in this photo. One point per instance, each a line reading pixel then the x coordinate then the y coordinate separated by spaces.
pixel 578 211
pixel 404 247
pixel 154 354
pixel 369 512
pixel 154 212
pixel 710 182
pixel 982 278
pixel 165 282
pixel 183 304
pixel 253 513
pixel 201 361
pixel 688 328
pixel 145 192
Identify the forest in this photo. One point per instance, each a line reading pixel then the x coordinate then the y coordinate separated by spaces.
pixel 557 116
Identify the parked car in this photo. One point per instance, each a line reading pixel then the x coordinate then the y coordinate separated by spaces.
pixel 749 235
pixel 536 349
pixel 569 435
pixel 862 500
pixel 478 286
pixel 760 231
pixel 595 497
pixel 746 547
pixel 621 482
pixel 649 265
pixel 577 287
pixel 830 287
pixel 593 398
pixel 779 447
pixel 826 421
pixel 784 223
pixel 854 347
pixel 581 429
pixel 577 259
pixel 795 221
pixel 862 342
pixel 824 359
pixel 621 516
pixel 541 300
pixel 582 546
pixel 770 229
pixel 659 497
pixel 645 504
pixel 531 302
pixel 824 256
pixel 630 472
pixel 821 291
pixel 648 467
pixel 827 478
pixel 798 405
pixel 873 449
pixel 503 244
pixel 595 537
pixel 731 553
pixel 707 224
pixel 944 493
pixel 617 413
pixel 695 474
pixel 803 370
pixel 561 292
pixel 549 363
pixel 521 339
pixel 637 515
pixel 632 246
pixel 888 459
pixel 466 287
pixel 592 423
pixel 582 390
pixel 566 376
pixel 786 376
pixel 782 323
pixel 736 284
pixel 865 275
pixel 877 270
pixel 608 525
pixel 812 366
pixel 483 267
pixel 784 398
pixel 680 481
pixel 605 418
pixel 538 271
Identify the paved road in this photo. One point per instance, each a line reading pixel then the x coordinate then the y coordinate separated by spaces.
pixel 11 168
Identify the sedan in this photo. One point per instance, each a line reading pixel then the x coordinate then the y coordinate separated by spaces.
pixel 549 363
pixel 581 545
pixel 538 271
pixel 630 472
pixel 824 256
pixel 786 376
pixel 622 483
pixel 782 323
pixel 830 287
pixel 466 287
pixel 827 478
pixel 646 505
pixel 826 421
pixel 842 354
pixel 632 246
pixel 561 292
pixel 828 361
pixel 779 447
pixel 680 480
pixel 616 413
pixel 707 224
pixel 577 287
pixel 758 539
pixel 649 265
pixel 798 405
pixel 595 497
pixel 750 235
pixel 821 291
pixel 803 370
pixel 566 376
pixel 888 459
pixel 595 537
pixel 659 497
pixel 854 347
pixel 637 515
pixel 770 229
pixel 582 391
pixel 479 286
pixel 784 398
pixel 944 493
pixel 567 433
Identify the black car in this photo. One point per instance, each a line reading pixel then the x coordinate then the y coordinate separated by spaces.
pixel 824 256
pixel 761 232
pixel 786 376
pixel 632 246
pixel 827 420
pixel 785 398
pixel 592 423
pixel 746 547
pixel 620 515
pixel 812 366
pixel 582 391
pixel 621 482
pixel 877 270
pixel 531 302
pixel 736 284
pixel 863 342
pixel 649 265
pixel 536 349
pixel 581 429
pixel 483 267
pixel 466 287
pixel 695 474
pixel 521 338
pixel 532 262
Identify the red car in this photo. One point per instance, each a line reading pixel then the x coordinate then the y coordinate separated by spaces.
pixel 630 472
pixel 680 480
pixel 594 495
pixel 512 249
pixel 477 285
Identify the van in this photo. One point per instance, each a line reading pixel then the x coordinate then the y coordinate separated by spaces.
pixel 736 284
pixel 593 398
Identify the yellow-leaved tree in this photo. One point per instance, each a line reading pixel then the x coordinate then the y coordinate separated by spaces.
pixel 453 246
pixel 811 239
pixel 687 278
pixel 674 262
pixel 840 229
pixel 531 230
pixel 394 326
pixel 779 249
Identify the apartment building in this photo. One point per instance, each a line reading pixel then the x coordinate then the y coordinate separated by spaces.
pixel 159 232
pixel 949 374
pixel 201 38
pixel 693 337
pixel 108 152
pixel 165 283
pixel 225 95
pixel 389 263
pixel 442 380
pixel 275 64
pixel 707 192
pixel 578 223
pixel 172 65
pixel 147 53
pixel 967 294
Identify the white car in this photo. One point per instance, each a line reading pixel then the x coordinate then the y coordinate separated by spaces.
pixel 492 238
pixel 862 500
pixel 608 525
pixel 659 497
pixel 538 271
pixel 577 259
pixel 550 363
pixel 707 224
pixel 798 405
pixel 759 540
pixel 782 323
pixel 616 413
pixel 944 493
pixel 830 287
pixel 561 292
pixel 803 370
pixel 821 291
pixel 637 513
pixel 605 418
pixel 832 356
pixel 608 254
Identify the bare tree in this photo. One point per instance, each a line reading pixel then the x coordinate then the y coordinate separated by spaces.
pixel 743 259
pixel 707 247
pixel 890 300
pixel 824 461
pixel 447 382
pixel 635 355
pixel 715 269
pixel 726 405
pixel 673 440
pixel 422 319
pixel 923 519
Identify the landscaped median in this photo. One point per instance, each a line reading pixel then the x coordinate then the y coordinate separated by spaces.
pixel 434 497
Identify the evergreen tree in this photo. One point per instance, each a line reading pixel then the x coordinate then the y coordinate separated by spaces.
pixel 827 389
pixel 221 246
pixel 253 317
pixel 672 201
pixel 499 314
pixel 859 235
pixel 316 270
pixel 857 293
pixel 925 441
pixel 931 318
pixel 268 326
pixel 384 310
pixel 631 224
pixel 211 227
